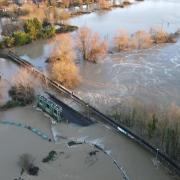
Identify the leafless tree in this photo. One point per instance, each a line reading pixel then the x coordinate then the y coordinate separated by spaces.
pixel 91 46
pixel 104 4
pixel 61 65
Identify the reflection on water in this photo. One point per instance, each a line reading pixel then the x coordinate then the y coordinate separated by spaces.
pixel 152 74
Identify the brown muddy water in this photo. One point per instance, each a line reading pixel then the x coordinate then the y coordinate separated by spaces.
pixel 75 162
pixel 152 75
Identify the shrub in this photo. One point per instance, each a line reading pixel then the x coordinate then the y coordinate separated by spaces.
pixel 61 63
pixel 26 163
pixel 21 38
pixel 33 28
pixel 65 73
pixel 8 41
pixel 142 39
pixel 22 90
pixel 22 94
pixel 51 157
pixel 159 35
pixel 64 28
pixel 122 40
pixel 11 104
pixel 90 45
pixel 64 50
pixel 160 127
pixel 48 32
pixel 33 170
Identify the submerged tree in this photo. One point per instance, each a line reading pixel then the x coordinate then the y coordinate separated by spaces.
pixel 142 39
pixel 26 163
pixel 104 4
pixel 122 40
pixel 62 67
pixel 90 45
pixel 159 35
pixel 22 90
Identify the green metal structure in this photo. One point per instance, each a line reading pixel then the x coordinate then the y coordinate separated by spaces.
pixel 50 107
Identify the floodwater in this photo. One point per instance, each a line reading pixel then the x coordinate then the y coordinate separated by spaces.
pixel 151 75
pixel 74 163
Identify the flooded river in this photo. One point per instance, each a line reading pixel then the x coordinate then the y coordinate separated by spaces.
pixel 151 75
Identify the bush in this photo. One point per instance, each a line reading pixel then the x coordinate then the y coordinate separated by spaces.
pixel 48 32
pixel 33 170
pixel 8 42
pixel 21 38
pixel 33 27
pixel 22 94
pixel 66 73
pixel 64 28
pixel 22 90
pixel 51 157
pixel 11 104
pixel 26 163
pixel 161 128
pixel 91 46
pixel 142 39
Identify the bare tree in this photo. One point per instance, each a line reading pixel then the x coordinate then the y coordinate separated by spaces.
pixel 122 40
pixel 104 4
pixel 141 40
pixel 65 73
pixel 61 65
pixel 90 45
pixel 61 15
pixel 22 89
pixel 63 50
pixel 159 35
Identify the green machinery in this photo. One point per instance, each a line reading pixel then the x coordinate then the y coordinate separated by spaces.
pixel 50 107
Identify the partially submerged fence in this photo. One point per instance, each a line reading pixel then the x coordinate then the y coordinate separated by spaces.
pixel 116 126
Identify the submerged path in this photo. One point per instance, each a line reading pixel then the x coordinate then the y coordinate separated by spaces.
pixel 34 130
